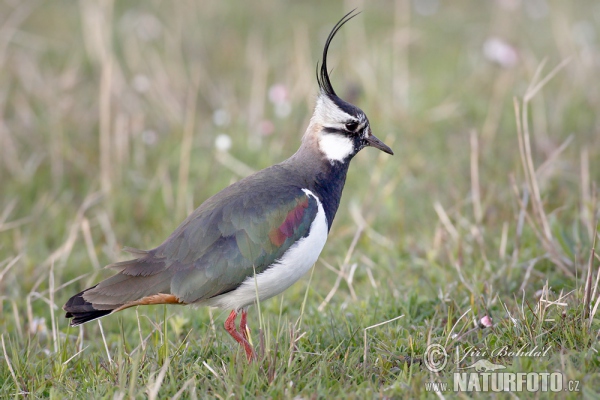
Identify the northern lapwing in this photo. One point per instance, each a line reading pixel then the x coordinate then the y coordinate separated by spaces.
pixel 260 234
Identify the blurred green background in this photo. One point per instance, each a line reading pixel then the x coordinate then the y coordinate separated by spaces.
pixel 117 119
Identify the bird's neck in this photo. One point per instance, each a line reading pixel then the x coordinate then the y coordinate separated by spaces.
pixel 328 186
pixel 323 177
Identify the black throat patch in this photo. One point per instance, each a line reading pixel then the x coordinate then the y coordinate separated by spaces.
pixel 328 185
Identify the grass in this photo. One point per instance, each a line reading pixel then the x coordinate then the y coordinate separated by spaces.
pixel 109 113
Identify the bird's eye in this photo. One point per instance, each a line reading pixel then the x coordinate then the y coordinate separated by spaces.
pixel 351 126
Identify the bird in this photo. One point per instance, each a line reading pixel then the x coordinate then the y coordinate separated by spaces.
pixel 253 239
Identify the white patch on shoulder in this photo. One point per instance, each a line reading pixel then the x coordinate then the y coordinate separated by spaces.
pixel 335 146
pixel 295 262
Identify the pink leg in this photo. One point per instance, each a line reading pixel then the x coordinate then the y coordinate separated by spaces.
pixel 243 325
pixel 241 339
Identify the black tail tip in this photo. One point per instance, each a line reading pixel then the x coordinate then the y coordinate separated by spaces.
pixel 79 318
pixel 82 311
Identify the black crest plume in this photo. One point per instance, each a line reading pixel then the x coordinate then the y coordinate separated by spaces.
pixel 322 74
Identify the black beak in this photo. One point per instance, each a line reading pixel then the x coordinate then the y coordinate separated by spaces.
pixel 378 144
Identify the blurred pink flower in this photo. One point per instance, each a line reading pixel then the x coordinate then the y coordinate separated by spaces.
pixel 266 127
pixel 510 5
pixel 500 52
pixel 486 322
pixel 278 93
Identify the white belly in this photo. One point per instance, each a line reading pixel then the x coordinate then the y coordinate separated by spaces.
pixel 299 258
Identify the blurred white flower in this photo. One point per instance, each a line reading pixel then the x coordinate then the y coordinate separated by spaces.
pixel 38 327
pixel 149 137
pixel 282 110
pixel 536 9
pixel 223 142
pixel 426 8
pixel 584 33
pixel 499 51
pixel 144 25
pixel 148 27
pixel 141 83
pixel 221 117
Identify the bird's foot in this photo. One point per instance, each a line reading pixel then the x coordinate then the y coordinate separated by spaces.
pixel 241 338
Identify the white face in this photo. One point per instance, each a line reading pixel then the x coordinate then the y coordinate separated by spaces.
pixel 335 146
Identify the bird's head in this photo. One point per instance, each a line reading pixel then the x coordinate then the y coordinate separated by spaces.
pixel 339 129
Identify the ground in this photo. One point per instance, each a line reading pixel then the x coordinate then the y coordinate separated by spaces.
pixel 119 118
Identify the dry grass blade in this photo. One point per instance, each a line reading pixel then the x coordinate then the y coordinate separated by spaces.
pixel 342 273
pixel 475 188
pixel 503 241
pixel 233 164
pixel 528 168
pixel 445 220
pixel 587 294
pixel 5 226
pixel 154 388
pixel 533 89
pixel 366 345
pixel 546 164
pixel 89 243
pixel 303 307
pixel 189 382
pixel 9 266
pixel 74 355
pixel 110 361
pixel 530 267
pixel 55 339
pixel 63 251
pixel 539 221
pixel 211 369
pixel 595 291
pixel 587 204
pixel 458 336
pixel 186 148
pixel 522 201
pixel 8 363
pixel 401 73
pixel 11 24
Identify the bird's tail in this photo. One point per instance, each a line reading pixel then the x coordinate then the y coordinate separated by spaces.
pixel 141 281
pixel 82 311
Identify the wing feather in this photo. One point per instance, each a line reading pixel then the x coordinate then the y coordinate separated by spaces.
pixel 252 242
pixel 242 230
